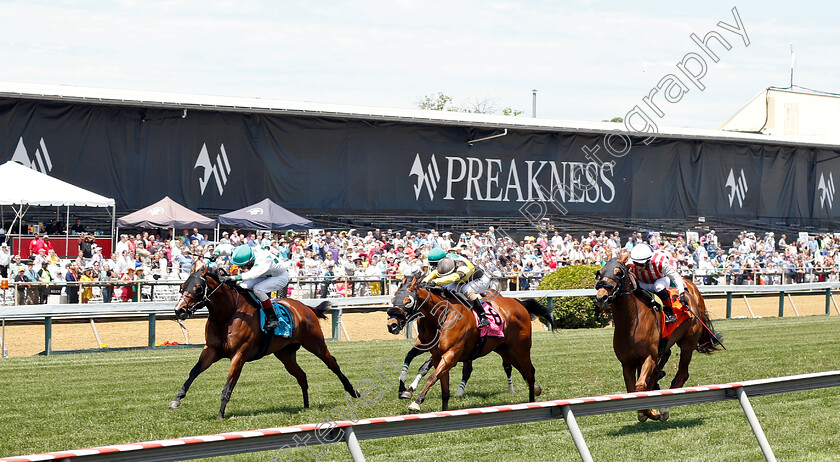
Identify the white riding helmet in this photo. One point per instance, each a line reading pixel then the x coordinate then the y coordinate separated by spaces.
pixel 641 253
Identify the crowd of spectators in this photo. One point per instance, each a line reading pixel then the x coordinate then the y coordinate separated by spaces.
pixel 351 263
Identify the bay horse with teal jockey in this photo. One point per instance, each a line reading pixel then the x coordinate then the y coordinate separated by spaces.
pixel 233 331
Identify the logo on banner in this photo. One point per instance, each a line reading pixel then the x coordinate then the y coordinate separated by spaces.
pixel 220 170
pixel 513 180
pixel 428 177
pixel 826 190
pixel 737 187
pixel 256 211
pixel 41 157
pixel 156 211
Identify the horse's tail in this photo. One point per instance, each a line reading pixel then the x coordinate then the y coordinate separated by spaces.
pixel 710 339
pixel 321 310
pixel 539 310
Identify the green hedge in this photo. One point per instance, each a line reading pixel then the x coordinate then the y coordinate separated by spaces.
pixel 574 312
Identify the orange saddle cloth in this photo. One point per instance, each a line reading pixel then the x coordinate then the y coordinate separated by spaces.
pixel 680 311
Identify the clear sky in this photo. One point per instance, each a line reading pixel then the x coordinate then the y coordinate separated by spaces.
pixel 589 60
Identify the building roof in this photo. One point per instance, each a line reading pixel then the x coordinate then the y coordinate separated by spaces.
pixel 177 101
pixel 796 112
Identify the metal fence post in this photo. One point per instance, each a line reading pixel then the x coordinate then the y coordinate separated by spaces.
pixel 782 304
pixel 550 302
pixel 47 335
pixel 755 425
pixel 353 445
pixel 577 436
pixel 336 335
pixel 828 301
pixel 728 305
pixel 152 319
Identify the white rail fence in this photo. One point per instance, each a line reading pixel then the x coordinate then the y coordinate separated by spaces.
pixel 152 310
pixel 351 432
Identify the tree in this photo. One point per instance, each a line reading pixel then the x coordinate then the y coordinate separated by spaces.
pixel 437 102
pixel 440 101
pixel 614 120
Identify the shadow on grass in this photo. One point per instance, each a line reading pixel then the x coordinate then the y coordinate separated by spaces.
pixel 655 426
pixel 278 410
pixel 483 395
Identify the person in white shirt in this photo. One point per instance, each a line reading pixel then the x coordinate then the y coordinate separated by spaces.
pixel 5 260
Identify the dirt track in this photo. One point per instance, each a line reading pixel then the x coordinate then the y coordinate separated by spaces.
pixel 27 340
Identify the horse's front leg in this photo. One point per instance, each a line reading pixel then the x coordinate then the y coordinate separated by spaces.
pixel 412 353
pixel 424 369
pixel 444 390
pixel 446 362
pixel 646 376
pixel 236 364
pixel 208 356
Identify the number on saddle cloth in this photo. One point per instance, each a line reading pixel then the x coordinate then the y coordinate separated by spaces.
pixel 497 323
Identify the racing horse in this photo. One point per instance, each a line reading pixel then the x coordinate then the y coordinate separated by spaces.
pixel 453 336
pixel 233 331
pixel 638 330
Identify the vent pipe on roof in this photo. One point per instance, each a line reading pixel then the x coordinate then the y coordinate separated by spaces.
pixel 534 105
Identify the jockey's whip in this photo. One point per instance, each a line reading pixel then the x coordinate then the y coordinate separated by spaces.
pixel 711 332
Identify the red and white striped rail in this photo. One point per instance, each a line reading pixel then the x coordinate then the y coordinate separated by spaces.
pixel 380 427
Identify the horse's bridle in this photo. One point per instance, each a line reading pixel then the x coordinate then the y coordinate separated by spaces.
pixel 407 309
pixel 205 297
pixel 605 281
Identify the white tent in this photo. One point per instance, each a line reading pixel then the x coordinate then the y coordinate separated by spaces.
pixel 24 187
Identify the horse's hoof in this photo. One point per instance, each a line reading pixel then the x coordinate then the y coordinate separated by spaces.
pixel 459 393
pixel 175 404
pixel 405 395
pixel 537 390
pixel 510 389
pixel 414 407
pixel 664 414
pixel 356 393
pixel 220 417
pixel 642 416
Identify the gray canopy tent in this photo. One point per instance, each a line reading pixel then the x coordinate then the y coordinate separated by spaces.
pixel 265 215
pixel 168 214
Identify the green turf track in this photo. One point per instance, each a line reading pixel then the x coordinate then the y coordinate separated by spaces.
pixel 76 401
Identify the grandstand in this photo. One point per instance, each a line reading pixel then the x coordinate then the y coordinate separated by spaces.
pixel 362 167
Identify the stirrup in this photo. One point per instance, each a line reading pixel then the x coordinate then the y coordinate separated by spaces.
pixel 670 317
pixel 483 322
pixel 271 324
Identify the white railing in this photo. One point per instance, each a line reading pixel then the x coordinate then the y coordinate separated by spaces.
pixel 384 427
pixel 151 310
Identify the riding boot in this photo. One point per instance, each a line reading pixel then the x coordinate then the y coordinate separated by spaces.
pixel 667 306
pixel 479 309
pixel 271 321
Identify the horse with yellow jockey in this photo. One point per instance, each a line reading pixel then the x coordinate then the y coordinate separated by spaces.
pixel 461 276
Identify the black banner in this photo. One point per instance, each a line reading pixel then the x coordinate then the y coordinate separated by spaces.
pixel 219 161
